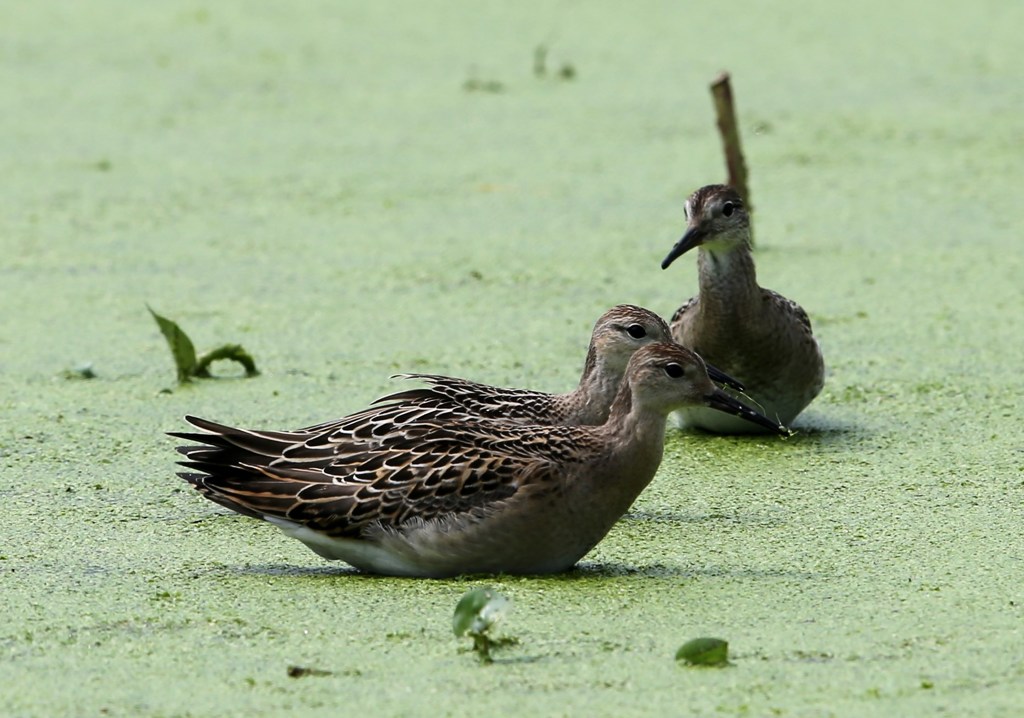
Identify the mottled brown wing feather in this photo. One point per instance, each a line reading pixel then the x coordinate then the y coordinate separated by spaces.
pixel 790 306
pixel 340 487
pixel 383 420
pixel 480 400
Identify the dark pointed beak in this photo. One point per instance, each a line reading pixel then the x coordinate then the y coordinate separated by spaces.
pixel 693 237
pixel 720 377
pixel 721 401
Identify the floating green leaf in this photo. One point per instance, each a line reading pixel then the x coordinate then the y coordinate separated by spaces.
pixel 234 352
pixel 478 610
pixel 704 652
pixel 475 613
pixel 184 352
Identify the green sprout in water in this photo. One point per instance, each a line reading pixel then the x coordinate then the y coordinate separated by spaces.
pixel 184 353
pixel 540 65
pixel 475 613
pixel 704 652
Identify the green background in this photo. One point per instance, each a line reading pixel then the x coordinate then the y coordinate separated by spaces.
pixel 316 182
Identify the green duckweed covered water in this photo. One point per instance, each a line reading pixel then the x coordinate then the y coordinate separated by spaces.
pixel 317 183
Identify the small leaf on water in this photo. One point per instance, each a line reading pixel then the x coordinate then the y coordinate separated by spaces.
pixel 182 350
pixel 704 652
pixel 477 610
pixel 234 352
pixel 301 671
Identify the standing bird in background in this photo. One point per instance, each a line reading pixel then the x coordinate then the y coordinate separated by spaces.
pixel 756 335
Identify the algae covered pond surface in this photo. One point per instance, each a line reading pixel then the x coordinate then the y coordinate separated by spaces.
pixel 354 191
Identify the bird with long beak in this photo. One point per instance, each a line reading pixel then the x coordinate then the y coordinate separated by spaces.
pixel 753 334
pixel 419 493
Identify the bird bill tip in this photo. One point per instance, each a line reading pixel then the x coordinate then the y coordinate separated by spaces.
pixel 721 401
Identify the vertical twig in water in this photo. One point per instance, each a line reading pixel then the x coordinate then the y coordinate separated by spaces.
pixel 540 60
pixel 725 110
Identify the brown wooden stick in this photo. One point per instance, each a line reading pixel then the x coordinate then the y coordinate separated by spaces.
pixel 721 92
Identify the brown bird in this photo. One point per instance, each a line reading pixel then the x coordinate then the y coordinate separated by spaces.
pixel 437 498
pixel 616 335
pixel 751 333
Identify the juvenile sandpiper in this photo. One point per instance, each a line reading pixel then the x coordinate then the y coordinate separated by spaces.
pixel 756 335
pixel 442 498
pixel 617 334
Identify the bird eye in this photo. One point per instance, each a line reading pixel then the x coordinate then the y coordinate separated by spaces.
pixel 636 331
pixel 674 370
pixel 727 209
